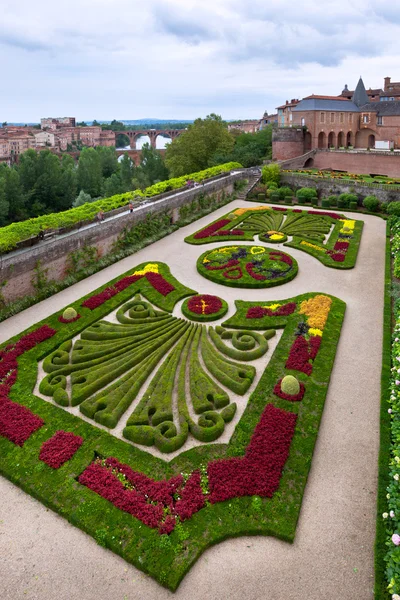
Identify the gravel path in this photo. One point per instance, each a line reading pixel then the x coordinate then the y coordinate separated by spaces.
pixel 43 557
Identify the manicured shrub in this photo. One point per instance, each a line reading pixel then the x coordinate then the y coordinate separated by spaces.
pixel 346 199
pixel 393 208
pixel 261 197
pixel 69 314
pixel 353 205
pixel 371 203
pixel 271 174
pixel 284 191
pixel 333 200
pixel 271 185
pixel 288 199
pixel 306 194
pixel 290 385
pixel 325 203
pixel 274 197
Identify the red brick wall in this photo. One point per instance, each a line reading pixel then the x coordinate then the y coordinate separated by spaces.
pixel 363 163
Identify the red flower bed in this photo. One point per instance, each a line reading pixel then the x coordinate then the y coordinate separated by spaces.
pixel 341 246
pixel 60 448
pixel 145 498
pixel 233 273
pixel 227 232
pixel 204 304
pixel 253 274
pixel 337 256
pixel 155 279
pixel 62 320
pixel 276 255
pixel 159 283
pixel 278 208
pixel 159 503
pixel 17 423
pixel 211 229
pixel 323 213
pixel 301 352
pixel 260 470
pixel 232 262
pixel 296 398
pixel 258 312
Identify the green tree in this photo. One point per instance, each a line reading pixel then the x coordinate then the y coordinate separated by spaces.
pixel 108 160
pixel 193 150
pixel 90 178
pixel 126 172
pixel 152 168
pixel 69 181
pixel 121 141
pixel 81 199
pixel 28 169
pixel 47 190
pixel 113 185
pixel 15 196
pixel 4 204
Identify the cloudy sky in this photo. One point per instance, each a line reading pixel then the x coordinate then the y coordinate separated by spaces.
pixel 130 59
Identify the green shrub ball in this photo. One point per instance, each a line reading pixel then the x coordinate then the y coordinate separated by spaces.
pixel 290 385
pixel 69 314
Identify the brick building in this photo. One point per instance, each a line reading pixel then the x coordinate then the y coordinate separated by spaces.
pixel 285 113
pixel 341 122
pixel 248 126
pixel 56 123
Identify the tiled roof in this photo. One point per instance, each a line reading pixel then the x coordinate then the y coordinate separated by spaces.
pixel 388 108
pixel 317 97
pixel 326 104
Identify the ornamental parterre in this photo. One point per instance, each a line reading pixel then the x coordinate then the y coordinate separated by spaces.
pixel 330 237
pixel 161 515
pixel 247 266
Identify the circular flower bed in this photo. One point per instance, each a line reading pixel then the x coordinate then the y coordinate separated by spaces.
pixel 247 266
pixel 204 307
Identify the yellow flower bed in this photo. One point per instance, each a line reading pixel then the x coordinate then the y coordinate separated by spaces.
pixel 317 310
pixel 149 268
pixel 312 246
pixel 241 211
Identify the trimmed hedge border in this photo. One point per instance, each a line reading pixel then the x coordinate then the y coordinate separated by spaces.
pixel 380 588
pixel 168 557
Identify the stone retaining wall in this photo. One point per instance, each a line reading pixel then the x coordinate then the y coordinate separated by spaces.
pixel 327 186
pixel 18 268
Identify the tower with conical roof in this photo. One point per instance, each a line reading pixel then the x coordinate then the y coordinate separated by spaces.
pixel 360 96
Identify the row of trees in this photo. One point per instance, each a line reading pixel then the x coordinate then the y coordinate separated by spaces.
pixel 208 142
pixel 43 182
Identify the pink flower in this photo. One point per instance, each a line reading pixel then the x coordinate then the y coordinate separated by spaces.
pixel 390 411
pixel 396 539
pixel 397 382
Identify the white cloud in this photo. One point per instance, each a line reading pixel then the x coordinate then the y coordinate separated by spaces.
pixel 185 58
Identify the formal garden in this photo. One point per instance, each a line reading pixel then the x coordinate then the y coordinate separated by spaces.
pixel 179 404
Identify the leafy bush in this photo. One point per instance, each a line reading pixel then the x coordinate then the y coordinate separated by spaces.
pixel 284 192
pixel 353 205
pixel 306 194
pixel 371 203
pixel 333 200
pixel 271 174
pixel 393 208
pixel 325 203
pixel 17 232
pixel 271 185
pixel 345 200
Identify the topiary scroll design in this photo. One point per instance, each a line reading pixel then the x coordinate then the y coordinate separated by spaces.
pixel 179 374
